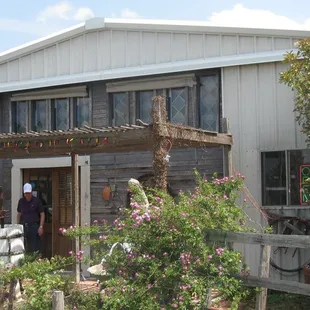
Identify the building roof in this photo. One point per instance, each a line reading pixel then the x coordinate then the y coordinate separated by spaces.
pixel 140 24
pixel 88 140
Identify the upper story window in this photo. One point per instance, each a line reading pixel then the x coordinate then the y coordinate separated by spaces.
pixel 39 115
pixel 19 116
pixel 285 178
pixel 120 108
pixel 209 102
pixel 82 112
pixel 61 114
pixel 145 103
pixel 51 114
pixel 177 103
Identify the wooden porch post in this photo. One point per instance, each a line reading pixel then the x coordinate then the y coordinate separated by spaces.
pixel 228 158
pixel 160 164
pixel 76 208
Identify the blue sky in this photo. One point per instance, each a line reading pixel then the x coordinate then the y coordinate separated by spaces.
pixel 22 21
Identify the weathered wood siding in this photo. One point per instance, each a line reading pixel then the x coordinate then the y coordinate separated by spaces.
pixel 5 164
pixel 120 167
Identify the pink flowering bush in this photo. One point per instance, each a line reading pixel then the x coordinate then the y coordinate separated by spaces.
pixel 169 264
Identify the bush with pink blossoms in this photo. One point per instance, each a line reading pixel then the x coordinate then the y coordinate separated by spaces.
pixel 168 264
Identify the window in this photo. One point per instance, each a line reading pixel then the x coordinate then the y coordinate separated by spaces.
pixel 285 178
pixel 274 178
pixel 176 106
pixel 39 120
pixel 61 114
pixel 120 109
pixel 19 116
pixel 209 104
pixel 145 103
pixel 82 112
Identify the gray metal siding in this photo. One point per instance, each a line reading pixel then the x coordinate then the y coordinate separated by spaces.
pixel 260 111
pixel 115 49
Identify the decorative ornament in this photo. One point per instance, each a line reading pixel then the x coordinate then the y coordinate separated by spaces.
pixel 106 193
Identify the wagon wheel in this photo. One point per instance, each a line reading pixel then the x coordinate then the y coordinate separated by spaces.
pixel 294 226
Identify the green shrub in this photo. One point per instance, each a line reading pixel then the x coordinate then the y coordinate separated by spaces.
pixel 169 264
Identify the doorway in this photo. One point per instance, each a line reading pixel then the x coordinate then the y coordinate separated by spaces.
pixel 53 187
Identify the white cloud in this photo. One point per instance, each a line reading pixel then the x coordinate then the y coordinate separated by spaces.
pixel 126 14
pixel 83 14
pixel 240 16
pixel 64 11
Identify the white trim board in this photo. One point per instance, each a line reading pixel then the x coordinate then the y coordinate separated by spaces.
pixel 156 69
pixel 17 183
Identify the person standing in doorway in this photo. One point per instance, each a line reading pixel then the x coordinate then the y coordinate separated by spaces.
pixel 30 213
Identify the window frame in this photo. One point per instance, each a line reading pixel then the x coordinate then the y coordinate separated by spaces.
pixel 31 114
pixel 28 119
pixel 50 113
pixel 288 187
pixel 139 105
pixel 167 94
pixel 199 103
pixel 112 108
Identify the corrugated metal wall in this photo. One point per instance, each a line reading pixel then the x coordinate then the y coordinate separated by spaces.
pixel 260 111
pixel 114 49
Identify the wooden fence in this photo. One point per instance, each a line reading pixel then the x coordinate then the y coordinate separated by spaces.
pixel 265 241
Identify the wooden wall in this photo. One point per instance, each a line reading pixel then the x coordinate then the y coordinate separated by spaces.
pixel 118 168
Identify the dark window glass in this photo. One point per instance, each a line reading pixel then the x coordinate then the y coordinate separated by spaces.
pixel 19 116
pixel 39 115
pixel 274 178
pixel 60 114
pixel 145 101
pixel 299 173
pixel 209 103
pixel 120 109
pixel 82 115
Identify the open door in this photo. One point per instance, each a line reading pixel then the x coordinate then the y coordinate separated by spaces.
pixel 62 209
pixel 42 184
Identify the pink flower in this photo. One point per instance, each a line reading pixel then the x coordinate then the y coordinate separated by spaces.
pixel 219 251
pixel 244 200
pixel 95 222
pixel 210 256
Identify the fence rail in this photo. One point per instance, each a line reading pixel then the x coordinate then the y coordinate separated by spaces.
pixel 265 241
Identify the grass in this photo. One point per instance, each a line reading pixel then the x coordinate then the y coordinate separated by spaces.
pixel 282 301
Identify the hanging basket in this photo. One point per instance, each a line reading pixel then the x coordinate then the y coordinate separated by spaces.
pixel 106 193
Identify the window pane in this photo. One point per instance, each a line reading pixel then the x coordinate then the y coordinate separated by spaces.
pixel 19 116
pixel 209 103
pixel 61 114
pixel 120 109
pixel 178 105
pixel 145 105
pixel 299 172
pixel 82 112
pixel 274 178
pixel 39 115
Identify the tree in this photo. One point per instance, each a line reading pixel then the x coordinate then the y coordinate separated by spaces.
pixel 297 77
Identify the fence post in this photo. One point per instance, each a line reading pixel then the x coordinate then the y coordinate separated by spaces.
pixel 58 300
pixel 263 272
